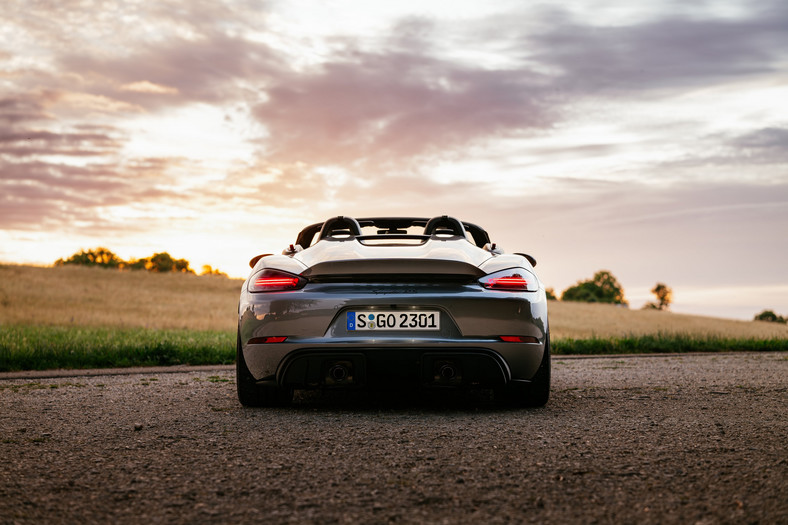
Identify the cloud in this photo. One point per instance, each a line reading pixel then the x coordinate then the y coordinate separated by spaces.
pixel 409 99
pixel 38 193
pixel 400 100
pixel 733 155
pixel 213 69
pixel 667 53
pixel 40 143
pixel 25 108
pixel 44 195
pixel 381 108
pixel 763 146
pixel 145 55
pixel 148 87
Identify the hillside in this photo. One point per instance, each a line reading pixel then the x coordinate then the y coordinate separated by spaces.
pixel 83 296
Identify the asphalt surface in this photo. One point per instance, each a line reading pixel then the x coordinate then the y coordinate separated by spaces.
pixel 678 439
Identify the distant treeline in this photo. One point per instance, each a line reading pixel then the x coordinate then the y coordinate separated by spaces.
pixel 605 288
pixel 158 262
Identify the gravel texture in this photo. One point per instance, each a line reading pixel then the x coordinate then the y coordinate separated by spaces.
pixel 678 439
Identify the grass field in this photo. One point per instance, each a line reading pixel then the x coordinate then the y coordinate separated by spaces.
pixel 80 317
pixel 97 297
pixel 49 347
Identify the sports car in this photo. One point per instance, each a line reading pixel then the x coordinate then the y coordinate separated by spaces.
pixel 393 302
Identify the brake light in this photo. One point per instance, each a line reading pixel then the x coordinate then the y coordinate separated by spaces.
pixel 513 280
pixel 275 281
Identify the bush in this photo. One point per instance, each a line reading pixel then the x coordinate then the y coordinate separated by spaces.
pixel 770 317
pixel 158 262
pixel 602 288
pixel 99 257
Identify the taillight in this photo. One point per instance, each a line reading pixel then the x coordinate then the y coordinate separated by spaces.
pixel 269 283
pixel 275 281
pixel 512 280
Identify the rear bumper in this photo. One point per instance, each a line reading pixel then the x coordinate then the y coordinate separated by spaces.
pixel 408 367
pixel 483 364
pixel 314 321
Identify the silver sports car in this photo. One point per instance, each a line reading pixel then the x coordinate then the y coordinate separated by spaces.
pixel 393 302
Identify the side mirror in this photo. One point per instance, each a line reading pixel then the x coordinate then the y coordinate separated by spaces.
pixel 530 259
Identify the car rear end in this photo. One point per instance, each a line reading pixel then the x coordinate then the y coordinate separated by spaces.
pixel 410 319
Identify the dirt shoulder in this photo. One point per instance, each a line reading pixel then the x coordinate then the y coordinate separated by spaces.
pixel 669 439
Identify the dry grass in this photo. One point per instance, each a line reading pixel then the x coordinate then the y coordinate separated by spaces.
pixel 80 296
pixel 581 320
pixel 83 296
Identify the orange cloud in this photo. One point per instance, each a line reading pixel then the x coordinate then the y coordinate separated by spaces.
pixel 149 87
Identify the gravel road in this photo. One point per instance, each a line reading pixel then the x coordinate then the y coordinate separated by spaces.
pixel 677 439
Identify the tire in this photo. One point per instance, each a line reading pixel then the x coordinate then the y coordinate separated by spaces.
pixel 251 394
pixel 537 392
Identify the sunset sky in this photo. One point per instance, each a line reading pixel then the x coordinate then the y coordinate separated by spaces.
pixel 646 138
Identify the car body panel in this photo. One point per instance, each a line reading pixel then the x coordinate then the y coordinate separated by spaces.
pixel 348 250
pixel 315 317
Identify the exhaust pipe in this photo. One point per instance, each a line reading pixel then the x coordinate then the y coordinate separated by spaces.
pixel 447 372
pixel 443 371
pixel 338 373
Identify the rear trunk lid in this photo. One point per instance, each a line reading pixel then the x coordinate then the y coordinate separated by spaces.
pixel 452 257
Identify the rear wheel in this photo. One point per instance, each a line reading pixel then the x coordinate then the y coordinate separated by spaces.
pixel 250 393
pixel 537 392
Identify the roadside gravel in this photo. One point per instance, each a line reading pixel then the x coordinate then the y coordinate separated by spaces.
pixel 678 439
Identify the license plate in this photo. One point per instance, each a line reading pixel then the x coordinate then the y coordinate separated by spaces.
pixel 399 320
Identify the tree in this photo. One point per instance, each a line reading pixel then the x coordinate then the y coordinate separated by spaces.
pixel 182 265
pixel 770 316
pixel 207 269
pixel 603 288
pixel 163 263
pixel 138 264
pixel 550 294
pixel 664 297
pixel 99 257
pixel 158 262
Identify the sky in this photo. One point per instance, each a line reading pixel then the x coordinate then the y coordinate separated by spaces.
pixel 647 138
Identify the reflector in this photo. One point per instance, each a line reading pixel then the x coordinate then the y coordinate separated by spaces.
pixel 519 339
pixel 265 340
pixel 511 339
